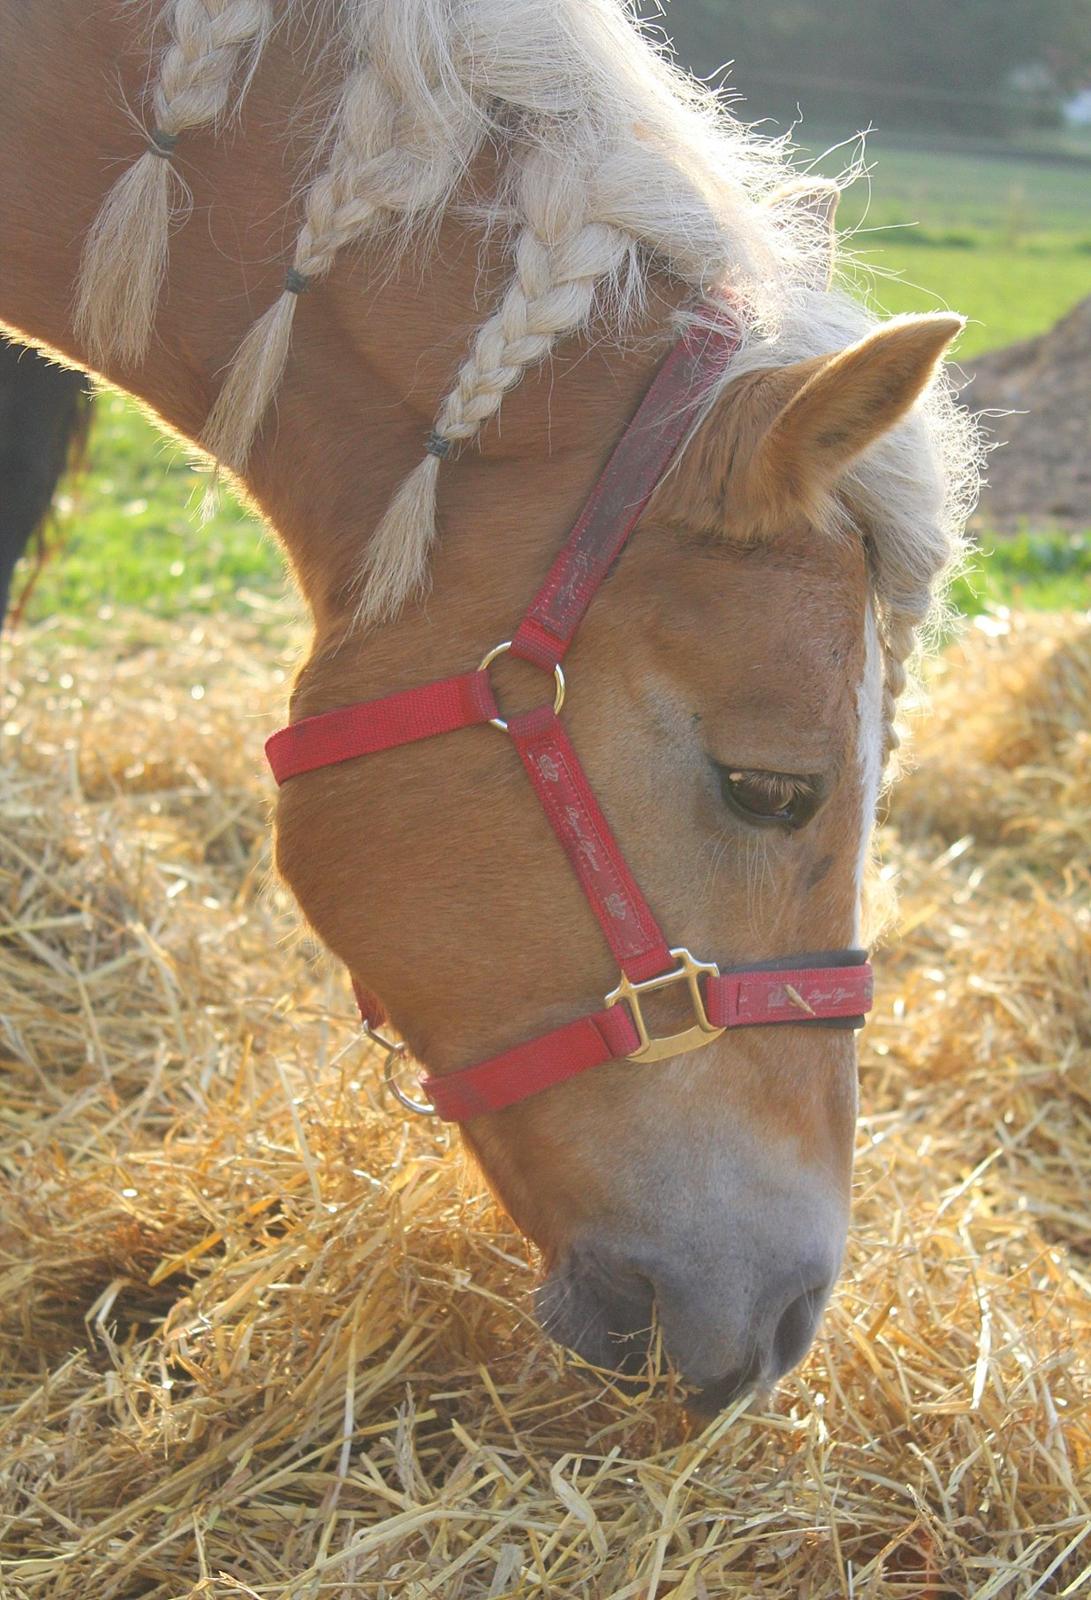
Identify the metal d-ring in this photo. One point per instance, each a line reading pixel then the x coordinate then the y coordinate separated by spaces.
pixel 558 681
pixel 394 1050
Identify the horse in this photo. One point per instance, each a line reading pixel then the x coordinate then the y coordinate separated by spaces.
pixel 45 417
pixel 404 269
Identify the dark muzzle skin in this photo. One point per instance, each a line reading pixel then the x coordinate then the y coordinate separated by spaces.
pixel 731 1323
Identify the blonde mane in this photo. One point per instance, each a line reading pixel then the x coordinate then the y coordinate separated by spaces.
pixel 611 161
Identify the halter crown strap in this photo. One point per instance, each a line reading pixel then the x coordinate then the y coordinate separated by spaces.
pixel 613 508
pixel 830 989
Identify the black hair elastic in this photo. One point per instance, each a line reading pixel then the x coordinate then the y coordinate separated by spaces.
pixel 161 143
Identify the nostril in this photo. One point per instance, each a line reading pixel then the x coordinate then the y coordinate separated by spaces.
pixel 604 1314
pixel 627 1353
pixel 795 1330
pixel 772 1356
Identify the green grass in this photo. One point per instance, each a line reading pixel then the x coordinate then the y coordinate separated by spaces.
pixel 1008 243
pixel 130 533
pixel 1030 572
pixel 1005 295
pixel 993 194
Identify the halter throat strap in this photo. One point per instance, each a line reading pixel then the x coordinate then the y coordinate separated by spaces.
pixel 830 988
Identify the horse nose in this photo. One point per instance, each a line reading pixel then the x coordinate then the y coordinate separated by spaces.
pixel 727 1327
pixel 725 1355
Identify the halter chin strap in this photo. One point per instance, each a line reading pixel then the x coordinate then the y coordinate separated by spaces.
pixel 831 988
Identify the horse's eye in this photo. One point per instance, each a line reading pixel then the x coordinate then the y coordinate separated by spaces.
pixel 769 797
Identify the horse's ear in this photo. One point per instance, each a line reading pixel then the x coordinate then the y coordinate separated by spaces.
pixel 775 443
pixel 836 407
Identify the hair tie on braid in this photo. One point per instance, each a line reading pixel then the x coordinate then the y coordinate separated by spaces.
pixel 296 282
pixel 436 445
pixel 162 143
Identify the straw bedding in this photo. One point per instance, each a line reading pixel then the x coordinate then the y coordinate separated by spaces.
pixel 262 1337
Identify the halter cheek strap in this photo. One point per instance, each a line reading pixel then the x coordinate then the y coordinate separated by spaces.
pixel 831 988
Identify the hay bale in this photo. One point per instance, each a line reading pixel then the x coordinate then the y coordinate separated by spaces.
pixel 262 1337
pixel 1004 756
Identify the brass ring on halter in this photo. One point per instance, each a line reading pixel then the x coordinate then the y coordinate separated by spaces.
pixel 558 681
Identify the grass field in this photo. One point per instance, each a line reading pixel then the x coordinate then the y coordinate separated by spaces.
pixel 1006 242
pixel 132 532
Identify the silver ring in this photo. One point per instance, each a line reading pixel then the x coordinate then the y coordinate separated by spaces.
pixel 394 1052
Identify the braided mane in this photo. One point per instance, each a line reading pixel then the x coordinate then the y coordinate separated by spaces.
pixel 213 44
pixel 610 160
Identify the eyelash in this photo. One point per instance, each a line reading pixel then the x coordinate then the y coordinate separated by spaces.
pixel 793 800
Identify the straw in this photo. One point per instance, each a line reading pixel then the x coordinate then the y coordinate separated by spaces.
pixel 263 1337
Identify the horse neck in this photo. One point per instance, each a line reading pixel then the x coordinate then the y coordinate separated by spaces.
pixel 374 356
pixel 373 352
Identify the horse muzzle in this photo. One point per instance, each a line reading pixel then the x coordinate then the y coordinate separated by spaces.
pixel 731 1321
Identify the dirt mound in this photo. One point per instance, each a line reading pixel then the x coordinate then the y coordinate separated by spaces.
pixel 1043 471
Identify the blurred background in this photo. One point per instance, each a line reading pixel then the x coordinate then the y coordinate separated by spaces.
pixel 978 193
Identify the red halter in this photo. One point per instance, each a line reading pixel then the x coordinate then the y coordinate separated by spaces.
pixel 831 989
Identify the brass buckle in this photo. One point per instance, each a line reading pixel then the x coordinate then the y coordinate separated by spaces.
pixel 558 681
pixel 688 971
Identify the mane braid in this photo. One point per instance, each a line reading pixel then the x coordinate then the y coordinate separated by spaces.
pixel 585 114
pixel 125 256
pixel 611 162
pixel 389 160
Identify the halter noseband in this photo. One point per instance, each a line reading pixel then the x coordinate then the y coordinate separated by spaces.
pixel 831 988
